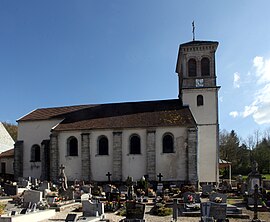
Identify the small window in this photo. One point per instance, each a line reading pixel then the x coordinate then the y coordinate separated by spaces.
pixel 103 146
pixel 199 100
pixel 72 146
pixel 135 144
pixel 205 67
pixel 167 143
pixel 192 68
pixel 35 153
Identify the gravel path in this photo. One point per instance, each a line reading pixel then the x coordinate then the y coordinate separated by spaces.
pixel 60 216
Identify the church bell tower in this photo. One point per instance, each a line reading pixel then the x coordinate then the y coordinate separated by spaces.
pixel 197 89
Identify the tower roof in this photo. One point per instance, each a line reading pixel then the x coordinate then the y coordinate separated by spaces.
pixel 196 42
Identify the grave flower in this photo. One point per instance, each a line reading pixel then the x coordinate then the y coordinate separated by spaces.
pixel 218 200
pixel 190 199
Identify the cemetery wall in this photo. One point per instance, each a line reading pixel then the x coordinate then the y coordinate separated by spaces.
pixel 31 133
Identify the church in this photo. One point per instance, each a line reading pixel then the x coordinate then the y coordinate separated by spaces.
pixel 176 138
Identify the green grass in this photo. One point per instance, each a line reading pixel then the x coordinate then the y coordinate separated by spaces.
pixel 264 176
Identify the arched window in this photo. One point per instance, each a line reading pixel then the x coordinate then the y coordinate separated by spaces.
pixel 205 67
pixel 167 143
pixel 72 146
pixel 103 145
pixel 199 100
pixel 192 67
pixel 35 153
pixel 135 144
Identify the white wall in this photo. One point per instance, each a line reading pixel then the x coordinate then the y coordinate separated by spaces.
pixel 101 164
pixel 171 165
pixel 133 165
pixel 6 141
pixel 33 132
pixel 206 117
pixel 73 164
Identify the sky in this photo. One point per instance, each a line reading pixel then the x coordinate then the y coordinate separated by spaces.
pixel 60 52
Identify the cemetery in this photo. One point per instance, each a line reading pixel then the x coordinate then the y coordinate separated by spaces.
pixel 30 199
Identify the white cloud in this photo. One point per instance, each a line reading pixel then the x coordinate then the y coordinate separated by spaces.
pixel 249 110
pixel 262 69
pixel 236 80
pixel 259 108
pixel 234 114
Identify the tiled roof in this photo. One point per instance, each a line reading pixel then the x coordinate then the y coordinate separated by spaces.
pixel 8 153
pixel 131 114
pixel 180 117
pixel 117 115
pixel 49 113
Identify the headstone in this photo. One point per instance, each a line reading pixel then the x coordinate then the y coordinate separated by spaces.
pixel 266 184
pixel 254 177
pixel 218 211
pixel 134 211
pixel 108 188
pixel 205 212
pixel 44 185
pixel 190 197
pixel 86 188
pixel 207 189
pixel 218 197
pixel 63 178
pixel 10 189
pixel 123 189
pixel 71 218
pixel 92 209
pixel 159 189
pixel 31 196
pixel 85 196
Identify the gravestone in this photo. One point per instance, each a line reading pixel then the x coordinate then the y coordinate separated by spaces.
pixel 10 189
pixel 44 185
pixel 218 211
pixel 123 189
pixel 190 197
pixel 92 209
pixel 31 196
pixel 205 212
pixel 207 189
pixel 86 188
pixel 62 178
pixel 266 184
pixel 134 212
pixel 85 196
pixel 218 197
pixel 71 218
pixel 254 177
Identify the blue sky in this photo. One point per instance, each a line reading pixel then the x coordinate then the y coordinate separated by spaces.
pixel 57 53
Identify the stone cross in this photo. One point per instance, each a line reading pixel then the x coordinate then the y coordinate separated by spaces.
pixel 109 176
pixel 159 177
pixel 62 177
pixel 256 197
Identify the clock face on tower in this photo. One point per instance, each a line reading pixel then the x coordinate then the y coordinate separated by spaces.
pixel 199 82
